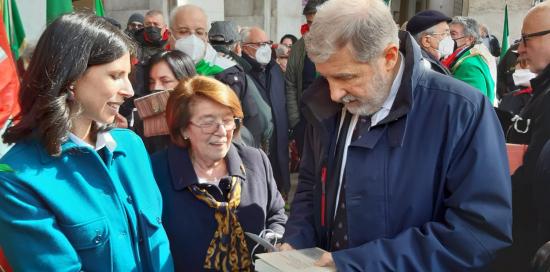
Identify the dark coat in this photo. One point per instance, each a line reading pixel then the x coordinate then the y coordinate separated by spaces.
pixel 190 223
pixel 427 189
pixel 271 84
pixel 529 195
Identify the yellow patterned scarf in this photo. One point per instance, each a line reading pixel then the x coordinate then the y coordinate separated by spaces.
pixel 227 250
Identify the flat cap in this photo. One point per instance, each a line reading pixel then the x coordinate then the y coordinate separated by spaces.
pixel 426 19
pixel 223 32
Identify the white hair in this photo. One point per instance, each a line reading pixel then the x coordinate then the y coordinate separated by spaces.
pixel 418 36
pixel 245 34
pixel 470 26
pixel 366 26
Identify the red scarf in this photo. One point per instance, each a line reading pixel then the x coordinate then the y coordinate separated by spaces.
pixel 451 59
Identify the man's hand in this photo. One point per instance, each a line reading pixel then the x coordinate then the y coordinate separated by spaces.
pixel 284 247
pixel 325 260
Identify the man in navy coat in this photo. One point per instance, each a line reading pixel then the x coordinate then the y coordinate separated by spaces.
pixel 268 77
pixel 403 169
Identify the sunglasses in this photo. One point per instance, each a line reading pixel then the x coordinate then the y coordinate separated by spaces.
pixel 525 37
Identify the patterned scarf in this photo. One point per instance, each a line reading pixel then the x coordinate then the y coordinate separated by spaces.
pixel 227 250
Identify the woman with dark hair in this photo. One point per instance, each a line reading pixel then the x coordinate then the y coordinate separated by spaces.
pixel 213 189
pixel 165 70
pixel 76 194
pixel 288 40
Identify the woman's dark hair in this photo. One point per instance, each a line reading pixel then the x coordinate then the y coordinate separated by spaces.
pixel 289 36
pixel 68 47
pixel 181 65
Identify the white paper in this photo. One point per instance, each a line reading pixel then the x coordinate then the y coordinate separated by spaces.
pixel 294 260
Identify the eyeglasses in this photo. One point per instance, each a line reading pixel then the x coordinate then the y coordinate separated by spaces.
pixel 525 37
pixel 446 33
pixel 258 44
pixel 211 127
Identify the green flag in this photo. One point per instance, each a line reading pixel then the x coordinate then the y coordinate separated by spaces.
pixel 56 8
pixel 99 11
pixel 505 33
pixel 14 27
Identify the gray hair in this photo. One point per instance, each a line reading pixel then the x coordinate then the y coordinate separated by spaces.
pixel 471 28
pixel 418 36
pixel 366 26
pixel 153 12
pixel 245 34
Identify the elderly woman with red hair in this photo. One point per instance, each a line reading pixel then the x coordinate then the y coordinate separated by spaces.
pixel 214 190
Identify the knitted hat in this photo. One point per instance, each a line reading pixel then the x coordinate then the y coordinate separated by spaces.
pixel 136 17
pixel 426 19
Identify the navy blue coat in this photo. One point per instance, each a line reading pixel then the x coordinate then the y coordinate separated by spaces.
pixel 427 189
pixel 271 84
pixel 190 223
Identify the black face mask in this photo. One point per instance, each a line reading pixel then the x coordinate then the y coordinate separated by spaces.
pixel 152 35
pixel 456 46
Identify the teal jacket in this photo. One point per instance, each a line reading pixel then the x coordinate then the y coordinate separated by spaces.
pixel 82 211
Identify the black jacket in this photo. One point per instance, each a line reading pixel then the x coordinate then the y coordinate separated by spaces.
pixel 270 82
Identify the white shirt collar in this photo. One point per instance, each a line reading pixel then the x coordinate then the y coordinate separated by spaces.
pixel 388 103
pixel 104 139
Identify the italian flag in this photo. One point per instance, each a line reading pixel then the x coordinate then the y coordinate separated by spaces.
pixel 213 63
pixel 12 38
pixel 505 33
pixel 56 8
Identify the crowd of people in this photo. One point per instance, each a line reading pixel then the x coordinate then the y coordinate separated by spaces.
pixel 158 146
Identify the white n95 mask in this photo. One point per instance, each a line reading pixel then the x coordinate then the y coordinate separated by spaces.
pixel 446 46
pixel 263 54
pixel 522 77
pixel 192 46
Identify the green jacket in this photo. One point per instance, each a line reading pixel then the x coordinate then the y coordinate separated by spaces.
pixel 472 68
pixel 293 81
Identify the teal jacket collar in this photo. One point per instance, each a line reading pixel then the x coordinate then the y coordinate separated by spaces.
pixel 70 147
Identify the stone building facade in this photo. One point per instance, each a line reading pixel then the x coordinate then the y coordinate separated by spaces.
pixel 284 16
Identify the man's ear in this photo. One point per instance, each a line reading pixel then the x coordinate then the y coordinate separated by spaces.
pixel 425 41
pixel 391 57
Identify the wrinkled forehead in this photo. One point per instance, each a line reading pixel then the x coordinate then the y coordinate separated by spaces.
pixel 257 35
pixel 456 28
pixel 156 18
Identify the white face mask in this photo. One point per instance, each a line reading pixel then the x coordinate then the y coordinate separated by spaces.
pixel 263 54
pixel 522 77
pixel 192 46
pixel 446 46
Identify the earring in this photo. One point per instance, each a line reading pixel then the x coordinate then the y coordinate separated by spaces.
pixel 185 137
